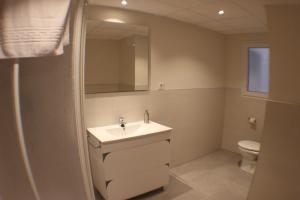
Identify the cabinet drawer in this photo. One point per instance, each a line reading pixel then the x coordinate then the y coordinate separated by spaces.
pixel 136 159
pixel 136 183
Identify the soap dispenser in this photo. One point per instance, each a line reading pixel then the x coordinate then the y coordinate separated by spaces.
pixel 146 117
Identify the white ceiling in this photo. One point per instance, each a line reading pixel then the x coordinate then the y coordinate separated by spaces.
pixel 116 31
pixel 241 16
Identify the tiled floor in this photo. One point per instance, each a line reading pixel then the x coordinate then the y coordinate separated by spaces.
pixel 216 176
pixel 212 177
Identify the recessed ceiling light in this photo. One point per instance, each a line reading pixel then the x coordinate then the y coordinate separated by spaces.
pixel 124 2
pixel 221 12
pixel 114 20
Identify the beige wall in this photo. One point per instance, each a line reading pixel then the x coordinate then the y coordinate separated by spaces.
pixel 285 71
pixel 116 65
pixel 196 116
pixel 102 55
pixel 12 168
pixel 49 124
pixel 49 128
pixel 141 62
pixel 238 107
pixel 277 174
pixel 127 64
pixel 183 56
pixel 236 126
pixel 190 61
pixel 235 64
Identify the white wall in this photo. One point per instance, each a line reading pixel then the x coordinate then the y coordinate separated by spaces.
pixel 141 62
pixel 49 128
pixel 102 55
pixel 116 65
pixel 48 116
pixel 127 65
pixel 236 126
pixel 234 58
pixel 190 61
pixel 183 56
pixel 196 116
pixel 238 107
pixel 285 54
pixel 12 168
pixel 277 174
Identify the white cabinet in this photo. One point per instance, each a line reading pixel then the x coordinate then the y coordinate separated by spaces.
pixel 134 183
pixel 128 168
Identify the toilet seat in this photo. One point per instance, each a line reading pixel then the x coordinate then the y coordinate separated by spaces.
pixel 248 145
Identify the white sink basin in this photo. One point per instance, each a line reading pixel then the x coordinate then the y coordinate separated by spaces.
pixel 129 130
pixel 113 133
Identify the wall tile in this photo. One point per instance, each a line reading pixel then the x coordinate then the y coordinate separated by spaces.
pixel 196 116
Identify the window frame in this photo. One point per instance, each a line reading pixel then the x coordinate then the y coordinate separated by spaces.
pixel 245 66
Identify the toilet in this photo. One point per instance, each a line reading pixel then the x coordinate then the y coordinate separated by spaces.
pixel 249 151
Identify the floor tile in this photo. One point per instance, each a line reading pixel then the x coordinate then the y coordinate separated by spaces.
pixel 216 175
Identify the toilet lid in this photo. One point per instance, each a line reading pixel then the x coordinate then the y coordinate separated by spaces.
pixel 249 145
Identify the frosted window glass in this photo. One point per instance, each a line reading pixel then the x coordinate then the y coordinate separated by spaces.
pixel 258 70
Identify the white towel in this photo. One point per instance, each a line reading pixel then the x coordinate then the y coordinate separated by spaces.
pixel 32 28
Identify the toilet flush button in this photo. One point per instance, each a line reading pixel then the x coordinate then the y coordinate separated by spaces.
pixel 252 120
pixel 161 85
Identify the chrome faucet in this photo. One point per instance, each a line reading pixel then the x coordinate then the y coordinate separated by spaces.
pixel 122 122
pixel 146 117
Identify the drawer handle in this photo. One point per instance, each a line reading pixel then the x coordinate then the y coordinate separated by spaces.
pixel 168 140
pixel 107 183
pixel 95 147
pixel 105 155
pixel 168 164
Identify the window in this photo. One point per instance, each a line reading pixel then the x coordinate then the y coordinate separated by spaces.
pixel 257 71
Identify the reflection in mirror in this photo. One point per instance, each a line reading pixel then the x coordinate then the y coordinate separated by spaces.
pixel 116 57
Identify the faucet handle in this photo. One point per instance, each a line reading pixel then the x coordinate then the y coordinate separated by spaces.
pixel 122 120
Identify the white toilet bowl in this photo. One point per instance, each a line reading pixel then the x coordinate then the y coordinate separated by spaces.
pixel 249 151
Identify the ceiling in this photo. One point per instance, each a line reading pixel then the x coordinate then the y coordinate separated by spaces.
pixel 241 16
pixel 116 31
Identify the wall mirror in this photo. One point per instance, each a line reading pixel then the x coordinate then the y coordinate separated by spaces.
pixel 116 57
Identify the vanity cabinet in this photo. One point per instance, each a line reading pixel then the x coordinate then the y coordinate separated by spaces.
pixel 130 167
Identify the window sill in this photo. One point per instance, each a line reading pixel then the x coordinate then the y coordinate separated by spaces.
pixel 257 95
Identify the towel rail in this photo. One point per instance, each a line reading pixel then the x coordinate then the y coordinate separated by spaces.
pixel 19 126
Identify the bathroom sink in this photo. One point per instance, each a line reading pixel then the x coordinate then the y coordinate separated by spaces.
pixel 114 133
pixel 129 130
pixel 129 161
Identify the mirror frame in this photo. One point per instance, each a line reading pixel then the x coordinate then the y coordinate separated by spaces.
pixel 83 43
